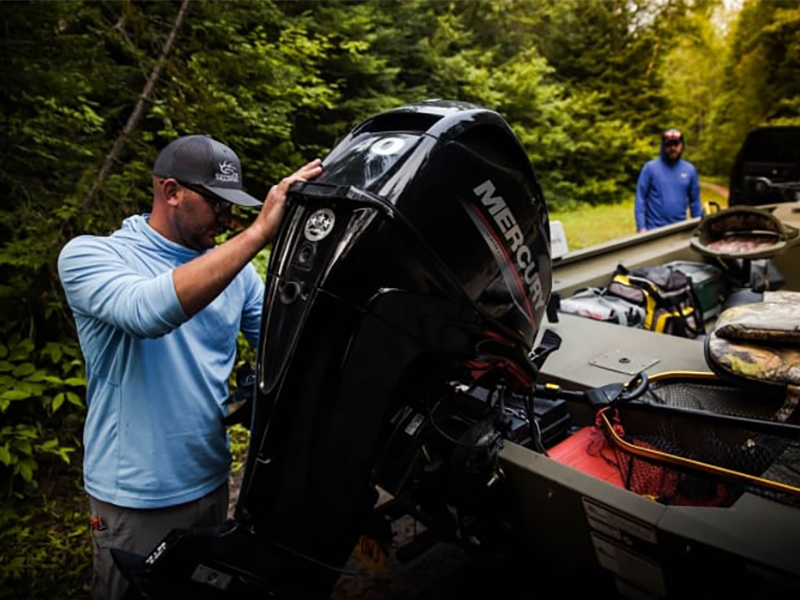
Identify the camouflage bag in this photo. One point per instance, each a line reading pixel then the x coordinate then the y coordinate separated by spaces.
pixel 759 345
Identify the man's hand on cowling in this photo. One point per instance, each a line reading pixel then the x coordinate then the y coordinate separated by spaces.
pixel 271 214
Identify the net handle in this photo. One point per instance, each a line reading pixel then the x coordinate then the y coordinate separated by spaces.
pixel 686 463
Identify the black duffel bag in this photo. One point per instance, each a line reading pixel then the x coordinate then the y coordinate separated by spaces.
pixel 667 296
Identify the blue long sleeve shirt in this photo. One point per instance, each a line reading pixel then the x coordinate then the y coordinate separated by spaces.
pixel 663 193
pixel 157 379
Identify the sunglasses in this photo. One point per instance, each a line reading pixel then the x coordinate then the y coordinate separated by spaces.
pixel 672 134
pixel 218 204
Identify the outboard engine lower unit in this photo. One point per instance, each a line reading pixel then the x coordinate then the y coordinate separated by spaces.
pixel 416 268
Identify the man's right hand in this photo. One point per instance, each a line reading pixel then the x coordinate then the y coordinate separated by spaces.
pixel 642 230
pixel 201 280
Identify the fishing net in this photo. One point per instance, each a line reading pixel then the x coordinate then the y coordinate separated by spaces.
pixel 702 442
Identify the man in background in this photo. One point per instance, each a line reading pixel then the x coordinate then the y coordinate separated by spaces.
pixel 667 186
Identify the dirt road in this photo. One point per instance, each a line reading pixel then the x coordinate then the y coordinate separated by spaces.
pixel 719 189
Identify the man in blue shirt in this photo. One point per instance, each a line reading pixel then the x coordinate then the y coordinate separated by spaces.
pixel 158 307
pixel 667 186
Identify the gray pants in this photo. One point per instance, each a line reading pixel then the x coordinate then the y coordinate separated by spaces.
pixel 139 530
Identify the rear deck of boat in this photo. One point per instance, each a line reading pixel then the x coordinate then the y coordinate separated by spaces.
pixel 596 537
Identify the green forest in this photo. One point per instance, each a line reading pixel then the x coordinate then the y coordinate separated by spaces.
pixel 92 90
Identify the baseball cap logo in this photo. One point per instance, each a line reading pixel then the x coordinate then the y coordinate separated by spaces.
pixel 227 172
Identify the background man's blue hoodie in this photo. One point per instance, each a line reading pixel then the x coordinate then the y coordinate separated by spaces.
pixel 664 191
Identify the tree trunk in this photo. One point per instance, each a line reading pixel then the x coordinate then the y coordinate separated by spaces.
pixel 138 110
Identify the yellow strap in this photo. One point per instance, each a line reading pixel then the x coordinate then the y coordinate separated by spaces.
pixel 650 312
pixel 661 323
pixel 650 302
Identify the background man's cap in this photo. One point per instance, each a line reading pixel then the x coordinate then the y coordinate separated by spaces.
pixel 202 161
pixel 672 135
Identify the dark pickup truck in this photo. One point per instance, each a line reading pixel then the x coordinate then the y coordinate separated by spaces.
pixel 767 168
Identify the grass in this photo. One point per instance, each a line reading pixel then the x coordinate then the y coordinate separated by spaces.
pixel 591 225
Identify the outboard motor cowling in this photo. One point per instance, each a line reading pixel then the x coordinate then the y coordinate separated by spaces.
pixel 420 256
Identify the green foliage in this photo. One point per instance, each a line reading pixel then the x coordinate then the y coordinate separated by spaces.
pixel 759 85
pixel 46 545
pixel 551 125
pixel 243 75
pixel 694 69
pixel 43 522
pixel 240 439
pixel 36 387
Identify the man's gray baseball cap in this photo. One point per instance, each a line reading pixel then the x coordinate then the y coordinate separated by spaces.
pixel 202 162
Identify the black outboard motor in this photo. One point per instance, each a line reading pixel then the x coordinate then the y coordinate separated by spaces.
pixel 419 258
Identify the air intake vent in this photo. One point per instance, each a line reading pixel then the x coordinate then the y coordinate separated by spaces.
pixel 398 121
